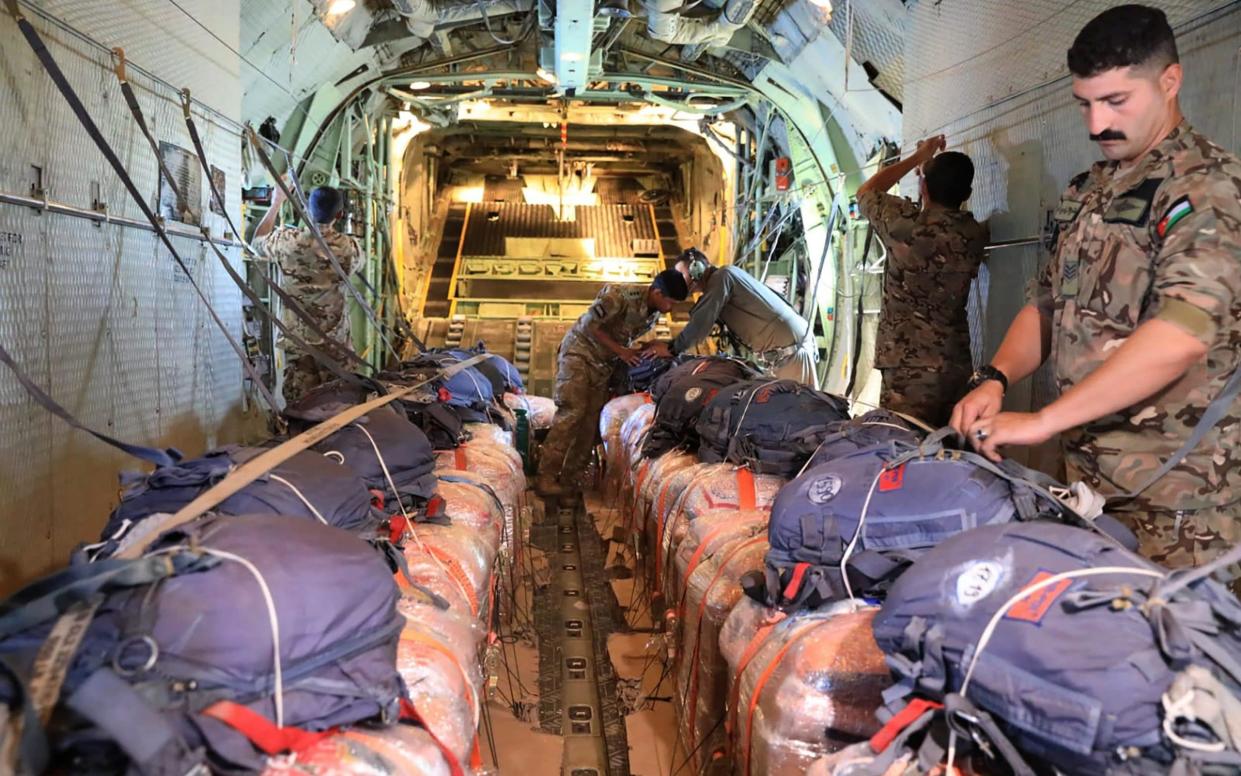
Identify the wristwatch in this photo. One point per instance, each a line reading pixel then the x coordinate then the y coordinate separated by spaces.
pixel 983 374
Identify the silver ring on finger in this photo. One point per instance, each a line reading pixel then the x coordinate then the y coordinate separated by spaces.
pixel 981 434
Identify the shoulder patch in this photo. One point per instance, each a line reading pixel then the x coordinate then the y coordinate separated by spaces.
pixel 1079 179
pixel 1178 210
pixel 1133 207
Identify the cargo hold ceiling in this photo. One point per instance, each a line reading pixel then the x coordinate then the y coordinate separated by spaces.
pixel 301 58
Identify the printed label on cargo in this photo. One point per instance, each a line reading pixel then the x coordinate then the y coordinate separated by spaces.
pixel 1034 606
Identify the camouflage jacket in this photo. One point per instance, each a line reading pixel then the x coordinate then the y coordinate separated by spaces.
pixel 933 256
pixel 1159 239
pixel 621 312
pixel 310 279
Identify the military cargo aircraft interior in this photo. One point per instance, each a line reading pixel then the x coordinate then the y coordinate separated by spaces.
pixel 611 387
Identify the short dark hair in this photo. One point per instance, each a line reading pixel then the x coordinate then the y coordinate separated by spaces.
pixel 1124 36
pixel 671 284
pixel 325 204
pixel 949 178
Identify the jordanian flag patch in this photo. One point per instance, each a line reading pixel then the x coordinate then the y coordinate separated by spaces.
pixel 1181 208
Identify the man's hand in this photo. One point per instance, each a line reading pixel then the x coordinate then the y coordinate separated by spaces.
pixel 656 349
pixel 981 403
pixel 987 435
pixel 629 356
pixel 927 149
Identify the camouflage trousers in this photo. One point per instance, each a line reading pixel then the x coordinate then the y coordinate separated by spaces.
pixel 927 393
pixel 1188 538
pixel 580 393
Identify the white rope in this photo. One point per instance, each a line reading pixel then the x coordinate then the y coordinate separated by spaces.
pixel 336 455
pixel 298 493
pixel 1017 597
pixel 1182 708
pixel 116 537
pixel 857 536
pixel 278 670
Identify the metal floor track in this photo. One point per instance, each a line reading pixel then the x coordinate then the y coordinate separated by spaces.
pixel 574 615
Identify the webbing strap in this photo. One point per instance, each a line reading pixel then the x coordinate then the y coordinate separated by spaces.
pixel 457 573
pixel 168 457
pixel 759 686
pixel 261 464
pixel 408 712
pixel 266 735
pixel 756 642
pixel 747 494
pixel 296 202
pixel 62 84
pixel 421 638
pixel 294 306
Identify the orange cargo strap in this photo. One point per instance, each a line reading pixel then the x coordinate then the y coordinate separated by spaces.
pixel 459 459
pixel 697 558
pixel 646 398
pixel 702 610
pixel 472 699
pixel 731 711
pixel 758 692
pixel 747 495
pixel 266 736
pixel 454 569
pixel 659 529
pixel 903 719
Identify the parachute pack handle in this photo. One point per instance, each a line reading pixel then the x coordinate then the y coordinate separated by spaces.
pixel 958 710
pixel 75 104
pixel 261 464
pixel 166 457
pixel 317 353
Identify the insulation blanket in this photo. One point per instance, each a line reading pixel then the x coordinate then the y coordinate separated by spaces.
pixel 732 546
pixel 539 409
pixel 800 687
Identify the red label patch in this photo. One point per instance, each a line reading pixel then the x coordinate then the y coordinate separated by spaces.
pixel 892 479
pixel 711 394
pixel 763 395
pixel 1034 606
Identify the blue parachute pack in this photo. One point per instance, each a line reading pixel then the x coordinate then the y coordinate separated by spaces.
pixel 680 395
pixel 1053 649
pixel 771 426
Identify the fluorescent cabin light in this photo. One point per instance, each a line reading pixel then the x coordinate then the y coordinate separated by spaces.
pixel 418 86
pixel 338 7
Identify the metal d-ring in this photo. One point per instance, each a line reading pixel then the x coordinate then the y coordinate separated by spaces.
pixel 152 648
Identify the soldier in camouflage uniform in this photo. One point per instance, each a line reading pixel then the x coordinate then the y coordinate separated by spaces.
pixel 311 279
pixel 588 354
pixel 934 251
pixel 1140 307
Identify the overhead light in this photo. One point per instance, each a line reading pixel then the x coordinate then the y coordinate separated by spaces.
pixel 338 7
pixel 545 76
pixel 418 86
pixel 826 5
pixel 571 56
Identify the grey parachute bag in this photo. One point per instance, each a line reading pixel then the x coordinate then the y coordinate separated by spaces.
pixel 1062 650
pixel 261 617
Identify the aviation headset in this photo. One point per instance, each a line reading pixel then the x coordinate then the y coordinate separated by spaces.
pixel 697 263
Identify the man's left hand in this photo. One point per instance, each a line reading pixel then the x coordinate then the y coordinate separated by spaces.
pixel 987 435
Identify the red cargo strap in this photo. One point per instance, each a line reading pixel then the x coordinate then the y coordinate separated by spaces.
pixel 696 558
pixel 799 574
pixel 759 686
pixel 268 737
pixel 408 712
pixel 459 460
pixel 731 711
pixel 646 398
pixel 747 495
pixel 377 498
pixel 903 719
pixel 659 529
pixel 692 705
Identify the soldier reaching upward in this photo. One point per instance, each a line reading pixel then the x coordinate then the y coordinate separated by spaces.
pixel 588 353
pixel 934 251
pixel 1140 307
pixel 312 281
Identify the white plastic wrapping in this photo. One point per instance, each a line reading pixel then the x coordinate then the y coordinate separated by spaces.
pixel 490 432
pixel 467 504
pixel 395 751
pixel 805 687
pixel 453 561
pixel 540 410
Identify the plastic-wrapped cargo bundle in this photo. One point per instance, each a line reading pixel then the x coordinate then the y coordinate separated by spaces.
pixel 650 477
pixel 708 537
pixel 470 502
pixel 489 432
pixel 713 587
pixel 801 687
pixel 395 751
pixel 436 659
pixel 611 420
pixel 489 462
pixel 665 496
pixel 632 432
pixel 717 486
pixel 540 410
pixel 453 561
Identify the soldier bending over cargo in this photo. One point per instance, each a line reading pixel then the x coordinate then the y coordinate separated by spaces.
pixel 1139 310
pixel 588 354
pixel 934 251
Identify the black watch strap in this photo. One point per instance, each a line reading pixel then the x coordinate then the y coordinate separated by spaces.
pixel 988 372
